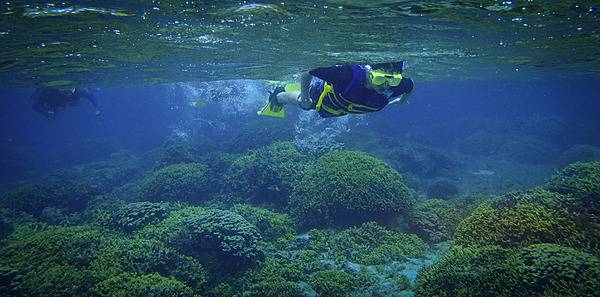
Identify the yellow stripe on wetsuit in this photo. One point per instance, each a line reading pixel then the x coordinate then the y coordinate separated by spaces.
pixel 342 105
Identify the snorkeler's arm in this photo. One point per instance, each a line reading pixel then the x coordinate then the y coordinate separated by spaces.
pixel 402 100
pixel 83 93
pixel 95 104
pixel 43 110
pixel 305 79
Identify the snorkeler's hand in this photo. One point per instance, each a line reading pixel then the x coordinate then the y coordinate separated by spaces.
pixel 404 101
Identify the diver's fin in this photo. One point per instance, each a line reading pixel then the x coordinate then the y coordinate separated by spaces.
pixel 292 87
pixel 273 108
pixel 287 86
pixel 272 111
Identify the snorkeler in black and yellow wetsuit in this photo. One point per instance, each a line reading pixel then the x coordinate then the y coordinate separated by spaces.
pixel 344 89
pixel 47 101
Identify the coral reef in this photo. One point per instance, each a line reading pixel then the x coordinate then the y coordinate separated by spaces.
pixel 266 175
pixel 518 219
pixel 148 285
pixel 142 256
pixel 442 189
pixel 256 133
pixel 106 175
pixel 373 244
pixel 273 220
pixel 136 215
pixel 420 160
pixel 178 182
pixel 5 228
pixel 218 238
pixel 41 260
pixel 535 270
pixel 175 154
pixel 436 220
pixel 579 153
pixel 347 187
pixel 70 195
pixel 579 179
pixel 372 256
pixel 334 283
pixel 270 225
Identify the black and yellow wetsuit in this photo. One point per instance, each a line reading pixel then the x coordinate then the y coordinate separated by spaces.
pixel 341 90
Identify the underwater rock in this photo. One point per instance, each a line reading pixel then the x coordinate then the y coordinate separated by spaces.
pixel 579 153
pixel 176 153
pixel 483 172
pixel 442 189
pixel 420 160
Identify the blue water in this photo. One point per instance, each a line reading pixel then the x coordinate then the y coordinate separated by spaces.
pixel 139 118
pixel 506 96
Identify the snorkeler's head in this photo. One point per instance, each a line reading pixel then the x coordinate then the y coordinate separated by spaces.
pixel 391 67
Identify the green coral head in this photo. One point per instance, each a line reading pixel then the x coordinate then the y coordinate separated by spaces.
pixel 344 187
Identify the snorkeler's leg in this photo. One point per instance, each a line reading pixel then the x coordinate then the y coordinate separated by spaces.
pixel 302 98
pixel 43 109
pixel 288 97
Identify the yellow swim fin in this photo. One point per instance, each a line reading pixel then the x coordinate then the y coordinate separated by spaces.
pixel 292 87
pixel 272 111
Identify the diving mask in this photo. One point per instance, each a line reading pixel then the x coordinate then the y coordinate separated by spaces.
pixel 380 78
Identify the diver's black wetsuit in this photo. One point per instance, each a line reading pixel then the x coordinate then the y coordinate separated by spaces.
pixel 46 101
